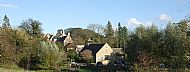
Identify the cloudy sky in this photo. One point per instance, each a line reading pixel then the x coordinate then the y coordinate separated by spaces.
pixel 55 14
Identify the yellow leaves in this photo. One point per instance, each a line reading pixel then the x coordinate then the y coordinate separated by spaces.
pixel 86 54
pixel 22 34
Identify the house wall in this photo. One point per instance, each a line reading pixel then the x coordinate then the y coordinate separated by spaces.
pixel 79 48
pixel 68 39
pixel 101 54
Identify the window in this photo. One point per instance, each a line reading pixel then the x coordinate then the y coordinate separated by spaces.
pixel 106 57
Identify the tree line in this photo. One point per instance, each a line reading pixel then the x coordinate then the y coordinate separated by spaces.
pixel 147 47
pixel 25 47
pixel 144 47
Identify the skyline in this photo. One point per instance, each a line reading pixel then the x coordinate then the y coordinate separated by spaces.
pixel 74 13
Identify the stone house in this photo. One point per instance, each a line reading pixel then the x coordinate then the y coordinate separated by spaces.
pixel 100 52
pixel 66 40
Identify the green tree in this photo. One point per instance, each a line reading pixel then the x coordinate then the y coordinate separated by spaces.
pixel 109 35
pixel 124 36
pixel 6 23
pixel 119 35
pixel 109 32
pixel 73 54
pixel 30 58
pixel 175 47
pixel 51 56
pixel 143 46
pixel 32 27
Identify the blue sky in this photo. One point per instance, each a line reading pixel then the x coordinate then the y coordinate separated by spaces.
pixel 55 14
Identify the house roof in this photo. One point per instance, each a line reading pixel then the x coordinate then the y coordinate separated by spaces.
pixel 93 47
pixel 70 45
pixel 117 50
pixel 61 39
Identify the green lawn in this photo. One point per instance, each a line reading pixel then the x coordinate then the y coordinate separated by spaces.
pixel 89 69
pixel 22 70
pixel 13 70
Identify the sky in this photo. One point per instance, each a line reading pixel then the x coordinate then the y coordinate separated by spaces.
pixel 56 14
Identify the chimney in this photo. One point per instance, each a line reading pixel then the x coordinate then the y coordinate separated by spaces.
pixel 69 34
pixel 89 41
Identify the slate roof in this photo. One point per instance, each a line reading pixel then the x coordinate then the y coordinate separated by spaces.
pixel 61 39
pixel 93 47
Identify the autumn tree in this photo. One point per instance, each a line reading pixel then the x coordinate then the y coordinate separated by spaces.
pixel 8 49
pixel 87 55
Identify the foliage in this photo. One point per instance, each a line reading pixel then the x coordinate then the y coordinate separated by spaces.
pixel 73 54
pixel 109 32
pixel 51 56
pixel 109 35
pixel 169 47
pixel 80 36
pixel 143 59
pixel 136 68
pixel 175 47
pixel 6 23
pixel 87 55
pixel 145 47
pixel 96 28
pixel 24 47
pixel 8 49
pixel 122 35
pixel 32 27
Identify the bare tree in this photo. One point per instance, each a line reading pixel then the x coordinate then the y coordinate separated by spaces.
pixel 92 27
pixel 96 28
pixel 100 29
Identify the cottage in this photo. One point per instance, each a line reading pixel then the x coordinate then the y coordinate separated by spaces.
pixel 100 52
pixel 79 48
pixel 117 54
pixel 66 40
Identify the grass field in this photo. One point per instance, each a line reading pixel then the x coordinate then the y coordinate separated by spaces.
pixel 89 69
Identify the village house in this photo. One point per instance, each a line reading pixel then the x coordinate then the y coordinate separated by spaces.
pixel 79 47
pixel 66 40
pixel 100 52
pixel 117 54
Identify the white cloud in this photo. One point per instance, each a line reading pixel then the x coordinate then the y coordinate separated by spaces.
pixel 165 17
pixel 133 23
pixel 8 6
